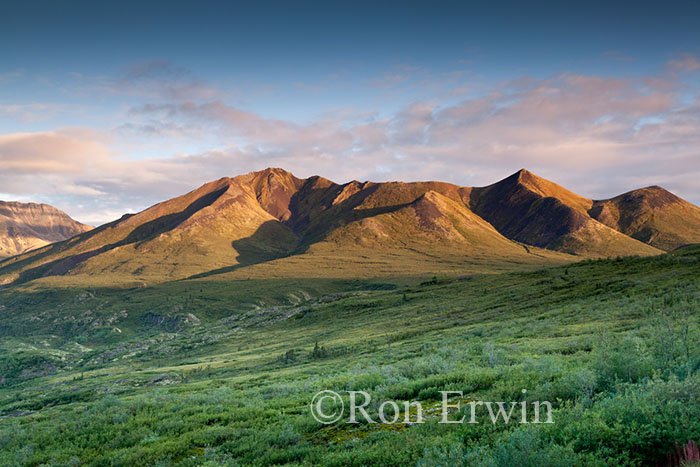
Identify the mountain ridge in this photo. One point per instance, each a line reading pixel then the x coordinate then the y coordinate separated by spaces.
pixel 270 219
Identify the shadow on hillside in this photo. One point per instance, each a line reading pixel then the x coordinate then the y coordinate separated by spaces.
pixel 143 232
pixel 271 241
pixel 314 225
pixel 307 227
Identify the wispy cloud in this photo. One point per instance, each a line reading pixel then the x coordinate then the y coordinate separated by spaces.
pixel 159 78
pixel 597 135
pixel 684 62
pixel 151 80
pixel 9 76
pixel 29 112
pixel 617 56
pixel 389 80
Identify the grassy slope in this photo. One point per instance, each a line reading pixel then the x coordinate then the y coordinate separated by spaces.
pixel 169 390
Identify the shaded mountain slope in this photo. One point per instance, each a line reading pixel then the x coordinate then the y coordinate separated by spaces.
pixel 537 212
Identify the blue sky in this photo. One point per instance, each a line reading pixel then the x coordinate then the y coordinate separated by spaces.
pixel 108 108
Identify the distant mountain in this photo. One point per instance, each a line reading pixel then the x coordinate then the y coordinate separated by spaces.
pixel 27 226
pixel 272 224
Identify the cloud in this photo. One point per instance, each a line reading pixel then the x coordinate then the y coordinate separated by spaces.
pixel 28 112
pixel 323 135
pixel 46 153
pixel 389 80
pixel 151 80
pixel 73 166
pixel 10 76
pixel 161 78
pixel 537 118
pixel 599 136
pixel 685 62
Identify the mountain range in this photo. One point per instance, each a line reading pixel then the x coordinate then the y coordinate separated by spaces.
pixel 271 224
pixel 27 226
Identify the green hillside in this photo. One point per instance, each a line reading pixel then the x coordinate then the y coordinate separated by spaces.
pixel 221 372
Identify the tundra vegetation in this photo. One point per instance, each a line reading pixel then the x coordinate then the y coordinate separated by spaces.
pixel 213 372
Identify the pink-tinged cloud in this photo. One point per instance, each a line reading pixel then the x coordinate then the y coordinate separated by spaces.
pixel 598 136
pixel 48 153
pixel 685 62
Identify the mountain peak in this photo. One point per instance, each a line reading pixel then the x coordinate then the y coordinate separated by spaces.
pixel 656 195
pixel 521 176
pixel 274 188
pixel 653 197
pixel 528 178
pixel 524 177
pixel 523 181
pixel 271 171
pixel 524 174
